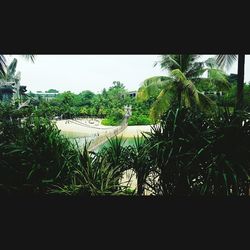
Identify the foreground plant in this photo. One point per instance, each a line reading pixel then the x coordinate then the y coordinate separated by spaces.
pixel 93 175
pixel 196 155
pixel 34 156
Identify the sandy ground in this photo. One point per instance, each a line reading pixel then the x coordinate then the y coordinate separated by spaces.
pixel 75 129
pixel 132 131
pixel 72 128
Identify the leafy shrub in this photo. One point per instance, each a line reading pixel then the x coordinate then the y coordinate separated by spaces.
pixel 137 119
pixel 195 154
pixel 36 156
pixel 111 121
pixel 114 119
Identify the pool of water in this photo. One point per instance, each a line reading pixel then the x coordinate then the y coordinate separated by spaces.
pixel 127 142
pixel 74 134
pixel 81 138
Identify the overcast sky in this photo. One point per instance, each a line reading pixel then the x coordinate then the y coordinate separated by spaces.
pixel 91 72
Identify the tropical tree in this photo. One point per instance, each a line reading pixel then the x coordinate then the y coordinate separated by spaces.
pixel 11 74
pixel 180 86
pixel 227 61
pixel 3 61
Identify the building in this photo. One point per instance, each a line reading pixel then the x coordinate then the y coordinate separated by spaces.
pixel 213 93
pixel 45 95
pixel 132 94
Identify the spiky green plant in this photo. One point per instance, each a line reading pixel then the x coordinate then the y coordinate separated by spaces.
pixel 93 175
pixel 196 155
pixel 140 161
pixel 35 154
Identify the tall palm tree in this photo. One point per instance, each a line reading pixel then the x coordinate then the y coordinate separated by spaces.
pixel 3 61
pixel 184 72
pixel 228 60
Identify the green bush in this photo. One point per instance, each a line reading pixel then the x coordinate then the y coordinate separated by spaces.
pixel 36 156
pixel 196 154
pixel 113 120
pixel 229 99
pixel 137 119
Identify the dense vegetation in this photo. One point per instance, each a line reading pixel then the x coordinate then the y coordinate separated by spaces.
pixel 189 152
pixel 108 105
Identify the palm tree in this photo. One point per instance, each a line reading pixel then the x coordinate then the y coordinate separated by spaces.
pixel 228 60
pixel 184 72
pixel 3 61
pixel 10 73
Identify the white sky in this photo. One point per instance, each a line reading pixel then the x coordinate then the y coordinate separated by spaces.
pixel 91 72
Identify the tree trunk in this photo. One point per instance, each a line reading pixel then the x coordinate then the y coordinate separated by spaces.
pixel 240 83
pixel 140 186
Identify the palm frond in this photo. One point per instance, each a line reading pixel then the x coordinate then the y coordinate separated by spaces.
pixel 195 70
pixel 190 94
pixel 169 62
pixel 162 103
pixel 151 87
pixel 2 64
pixel 205 103
pixel 211 63
pixel 178 75
pixel 11 70
pixel 184 62
pixel 18 76
pixel 226 60
pixel 29 57
pixel 218 78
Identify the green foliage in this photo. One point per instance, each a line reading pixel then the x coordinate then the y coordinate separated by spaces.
pixel 140 161
pixel 229 99
pixel 188 153
pixel 114 119
pixel 52 91
pixel 111 121
pixel 109 105
pixel 138 119
pixel 34 156
pixel 196 154
pixel 10 74
pixel 116 153
pixel 180 87
pixel 93 175
pixel 3 66
pixel 85 98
